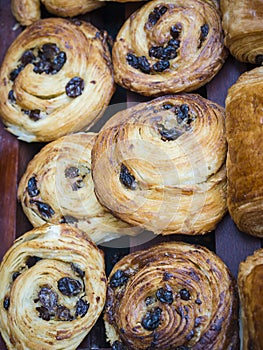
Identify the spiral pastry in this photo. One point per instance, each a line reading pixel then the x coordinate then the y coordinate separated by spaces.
pixel 169 46
pixel 243 27
pixel 244 158
pixel 53 289
pixel 56 78
pixel 164 165
pixel 28 11
pixel 171 296
pixel 250 284
pixel 57 187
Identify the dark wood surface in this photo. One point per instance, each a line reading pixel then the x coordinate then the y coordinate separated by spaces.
pixel 230 244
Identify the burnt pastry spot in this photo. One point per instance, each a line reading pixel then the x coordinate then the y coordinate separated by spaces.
pixel 259 59
pixel 71 172
pixel 169 134
pixel 75 87
pixel 15 275
pixel 32 189
pixel 165 296
pixel 63 313
pixel 118 279
pixel 32 260
pixel 184 294
pixel 155 15
pixel 69 286
pixel 34 114
pixel 82 308
pixel 126 178
pixel 11 96
pixel 152 319
pixel 68 219
pixel 117 345
pixel 150 300
pixel 6 303
pixel 77 270
pixel 44 209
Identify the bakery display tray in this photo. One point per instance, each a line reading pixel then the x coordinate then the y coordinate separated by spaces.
pixel 230 244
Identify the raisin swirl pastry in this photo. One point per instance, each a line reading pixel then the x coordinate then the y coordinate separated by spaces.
pixel 56 78
pixel 169 46
pixel 53 289
pixel 57 187
pixel 165 165
pixel 243 27
pixel 171 296
pixel 244 158
pixel 28 11
pixel 250 285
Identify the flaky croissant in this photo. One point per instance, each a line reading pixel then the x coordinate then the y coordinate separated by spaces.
pixel 250 285
pixel 244 118
pixel 172 296
pixel 243 27
pixel 160 165
pixel 53 289
pixel 56 78
pixel 57 187
pixel 171 46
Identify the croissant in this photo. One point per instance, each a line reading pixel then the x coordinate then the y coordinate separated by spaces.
pixel 243 27
pixel 57 187
pixel 250 284
pixel 160 165
pixel 171 296
pixel 28 11
pixel 56 78
pixel 167 47
pixel 244 105
pixel 53 289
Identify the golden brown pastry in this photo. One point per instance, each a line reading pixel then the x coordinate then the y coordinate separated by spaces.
pixel 28 11
pixel 56 78
pixel 167 47
pixel 57 187
pixel 160 165
pixel 53 289
pixel 243 27
pixel 250 286
pixel 172 296
pixel 244 118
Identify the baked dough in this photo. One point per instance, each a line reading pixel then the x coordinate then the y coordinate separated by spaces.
pixel 56 78
pixel 244 118
pixel 160 165
pixel 28 11
pixel 53 289
pixel 172 296
pixel 243 27
pixel 57 187
pixel 250 285
pixel 167 47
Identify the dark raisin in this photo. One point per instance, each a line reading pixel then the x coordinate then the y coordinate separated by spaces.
pixel 82 308
pixel 48 298
pixel 176 30
pixel 167 106
pixel 190 335
pixel 15 275
pixel 132 60
pixel 167 276
pixel 72 172
pixel 49 51
pixel 27 57
pixel 69 286
pixel 63 313
pixel 15 72
pixel 77 185
pixel 198 301
pixel 117 345
pixel 75 87
pixel 153 18
pixel 126 178
pixel 156 51
pixel 198 321
pixel 165 296
pixel 259 59
pixel 58 62
pixel 182 348
pixel 32 260
pixel 26 111
pixel 152 319
pixel 162 10
pixel 44 209
pixel 169 53
pixel 11 96
pixel 44 313
pixel 42 67
pixel 68 219
pixel 175 43
pixel 32 189
pixel 217 326
pixel 182 112
pixel 34 114
pixel 160 66
pixel 150 300
pixel 144 65
pixel 6 303
pixel 185 294
pixel 204 31
pixel 78 270
pixel 169 134
pixel 118 279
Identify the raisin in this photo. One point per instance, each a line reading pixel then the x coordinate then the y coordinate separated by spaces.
pixel 182 113
pixel 156 51
pixel 32 260
pixel 156 14
pixel 117 345
pixel 162 10
pixel 167 276
pixel 190 335
pixel 259 59
pixel 176 30
pixel 11 96
pixel 63 313
pixel 15 275
pixel 75 87
pixel 14 73
pixel 32 189
pixel 126 178
pixel 118 279
pixel 69 286
pixel 58 62
pixel 34 114
pixel 198 301
pixel 169 53
pixel 49 51
pixel 175 43
pixel 82 308
pixel 27 57
pixel 72 172
pixel 164 296
pixel 150 300
pixel 167 106
pixel 43 313
pixel 185 294
pixel 44 209
pixel 160 66
pixel 68 219
pixel 169 134
pixel 48 298
pixel 152 319
pixel 42 67
pixel 132 60
pixel 144 65
pixel 6 303
pixel 77 185
pixel 78 271
pixel 204 31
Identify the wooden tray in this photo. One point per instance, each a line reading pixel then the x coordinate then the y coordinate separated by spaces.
pixel 230 244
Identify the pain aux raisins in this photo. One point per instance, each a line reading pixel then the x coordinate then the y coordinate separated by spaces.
pixel 32 189
pixel 118 279
pixel 44 209
pixel 74 87
pixel 127 179
pixel 152 319
pixel 69 286
pixel 165 296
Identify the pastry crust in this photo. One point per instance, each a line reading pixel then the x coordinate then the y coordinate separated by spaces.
pixel 57 187
pixel 244 105
pixel 172 296
pixel 56 78
pixel 250 285
pixel 243 27
pixel 160 165
pixel 167 47
pixel 37 308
